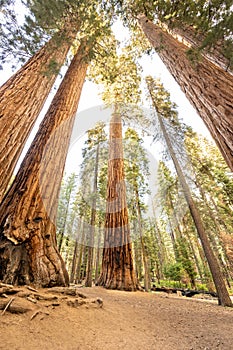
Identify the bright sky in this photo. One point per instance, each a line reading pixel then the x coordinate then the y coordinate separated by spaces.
pixel 90 99
pixel 91 110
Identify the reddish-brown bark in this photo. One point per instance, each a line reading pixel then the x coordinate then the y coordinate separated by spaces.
pixel 21 100
pixel 208 87
pixel 117 262
pixel 28 251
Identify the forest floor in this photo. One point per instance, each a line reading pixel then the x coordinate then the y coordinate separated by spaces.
pixel 125 320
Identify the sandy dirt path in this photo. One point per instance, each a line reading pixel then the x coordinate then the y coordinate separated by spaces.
pixel 129 321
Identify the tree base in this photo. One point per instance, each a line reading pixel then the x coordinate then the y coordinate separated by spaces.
pixel 22 265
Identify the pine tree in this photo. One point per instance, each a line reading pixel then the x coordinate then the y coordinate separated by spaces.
pixel 165 109
pixel 137 171
pixel 65 201
pixel 95 137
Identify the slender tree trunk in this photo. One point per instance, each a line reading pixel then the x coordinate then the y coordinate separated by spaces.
pixel 147 277
pixel 207 87
pixel 162 255
pixel 88 282
pixel 158 258
pixel 117 263
pixel 98 250
pixel 21 100
pixel 80 255
pixel 187 233
pixel 223 295
pixel 74 261
pixel 62 231
pixel 28 210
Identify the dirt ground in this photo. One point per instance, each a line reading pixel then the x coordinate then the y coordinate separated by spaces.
pixel 129 321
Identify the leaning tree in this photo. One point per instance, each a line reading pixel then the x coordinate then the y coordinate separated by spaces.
pixel 165 110
pixel 208 87
pixel 24 94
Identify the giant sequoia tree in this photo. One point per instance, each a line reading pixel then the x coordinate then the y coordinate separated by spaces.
pixel 117 262
pixel 21 100
pixel 208 39
pixel 163 106
pixel 121 86
pixel 27 236
pixel 208 88
pixel 24 94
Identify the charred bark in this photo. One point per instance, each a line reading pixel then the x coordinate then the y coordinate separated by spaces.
pixel 28 251
pixel 117 262
pixel 208 88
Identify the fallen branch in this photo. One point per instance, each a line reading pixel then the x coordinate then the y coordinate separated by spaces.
pixel 17 308
pixel 7 305
pixel 37 313
pixel 32 289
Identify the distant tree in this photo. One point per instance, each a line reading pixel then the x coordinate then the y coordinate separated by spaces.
pixel 96 136
pixel 137 172
pixel 65 200
pixel 165 110
pixel 121 86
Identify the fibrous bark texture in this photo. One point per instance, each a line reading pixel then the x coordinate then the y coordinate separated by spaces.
pixel 208 87
pixel 117 263
pixel 28 251
pixel 21 100
pixel 193 39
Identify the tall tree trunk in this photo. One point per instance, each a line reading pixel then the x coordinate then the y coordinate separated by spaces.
pixel 223 295
pixel 207 87
pixel 98 251
pixel 88 282
pixel 62 231
pixel 162 254
pixel 21 100
pixel 80 254
pixel 117 263
pixel 147 277
pixel 74 261
pixel 193 39
pixel 28 210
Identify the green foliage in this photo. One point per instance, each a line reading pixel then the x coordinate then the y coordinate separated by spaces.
pixel 211 21
pixel 214 177
pixel 58 19
pixel 119 76
pixel 66 200
pixel 174 271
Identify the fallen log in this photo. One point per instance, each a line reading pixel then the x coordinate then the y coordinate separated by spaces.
pixel 185 292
